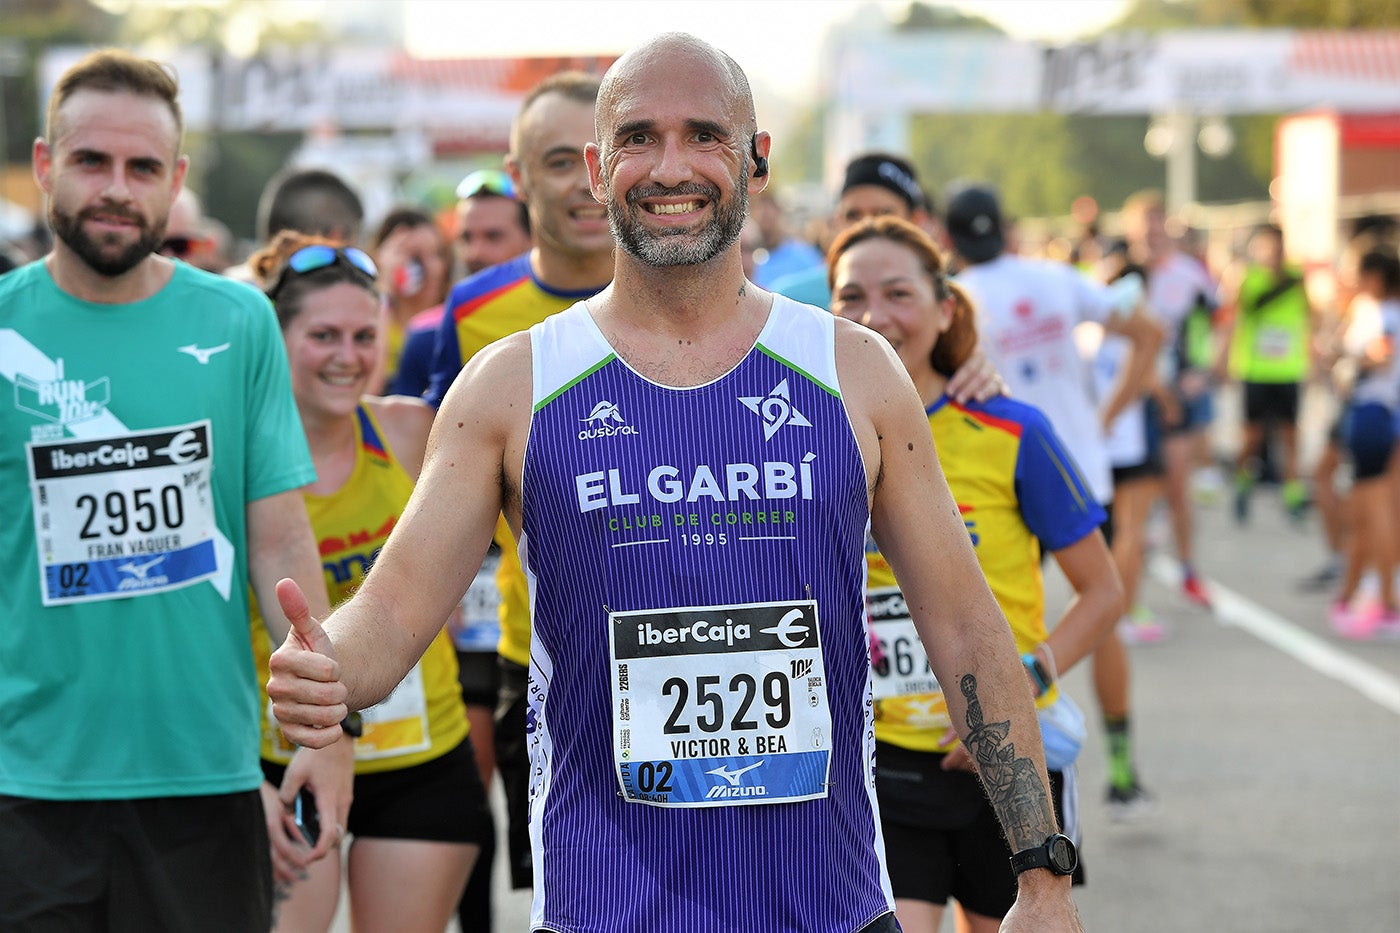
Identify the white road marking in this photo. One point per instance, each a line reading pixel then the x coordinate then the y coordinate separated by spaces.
pixel 1233 609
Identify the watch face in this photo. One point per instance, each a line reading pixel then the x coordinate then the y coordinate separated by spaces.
pixel 1062 855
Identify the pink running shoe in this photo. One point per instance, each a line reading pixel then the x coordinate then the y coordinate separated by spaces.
pixel 1357 626
pixel 1140 627
pixel 1388 625
pixel 1195 591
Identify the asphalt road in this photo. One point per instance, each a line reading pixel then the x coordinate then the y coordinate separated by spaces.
pixel 1278 778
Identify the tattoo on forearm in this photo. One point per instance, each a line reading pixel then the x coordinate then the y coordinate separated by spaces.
pixel 1012 784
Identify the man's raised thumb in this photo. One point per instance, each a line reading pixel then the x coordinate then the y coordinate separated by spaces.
pixel 307 630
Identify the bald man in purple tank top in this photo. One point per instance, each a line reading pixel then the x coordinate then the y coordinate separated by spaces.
pixel 690 465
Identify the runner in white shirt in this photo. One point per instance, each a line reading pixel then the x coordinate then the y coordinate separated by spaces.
pixel 1028 310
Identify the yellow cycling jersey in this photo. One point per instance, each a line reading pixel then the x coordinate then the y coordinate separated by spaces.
pixel 1018 489
pixel 424 716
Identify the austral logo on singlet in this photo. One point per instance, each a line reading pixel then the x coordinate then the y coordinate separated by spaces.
pixel 605 421
pixel 62 401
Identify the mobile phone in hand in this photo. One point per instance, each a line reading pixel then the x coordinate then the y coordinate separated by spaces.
pixel 307 819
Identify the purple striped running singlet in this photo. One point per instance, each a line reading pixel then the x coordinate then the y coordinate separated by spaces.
pixel 700 720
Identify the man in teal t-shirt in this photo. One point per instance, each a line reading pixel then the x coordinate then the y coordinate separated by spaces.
pixel 151 455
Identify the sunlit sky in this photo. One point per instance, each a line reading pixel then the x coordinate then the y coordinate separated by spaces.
pixel 778 42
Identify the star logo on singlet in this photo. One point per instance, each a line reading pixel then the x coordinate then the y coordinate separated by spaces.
pixel 776 410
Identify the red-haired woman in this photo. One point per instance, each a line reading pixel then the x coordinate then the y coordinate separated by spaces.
pixel 1017 489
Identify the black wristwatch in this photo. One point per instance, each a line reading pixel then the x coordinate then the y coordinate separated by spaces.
pixel 1057 854
pixel 353 725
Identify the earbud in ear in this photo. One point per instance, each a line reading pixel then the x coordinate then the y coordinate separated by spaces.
pixel 760 164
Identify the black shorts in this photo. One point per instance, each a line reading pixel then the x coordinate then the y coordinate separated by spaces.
pixel 1145 470
pixel 480 677
pixel 1271 401
pixel 149 865
pixel 967 857
pixel 1152 465
pixel 441 800
pixel 513 761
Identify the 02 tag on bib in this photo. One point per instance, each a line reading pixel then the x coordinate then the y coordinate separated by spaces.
pixel 126 515
pixel 720 705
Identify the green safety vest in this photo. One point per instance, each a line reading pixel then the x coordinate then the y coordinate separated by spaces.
pixel 1270 342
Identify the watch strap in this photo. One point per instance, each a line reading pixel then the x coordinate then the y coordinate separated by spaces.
pixel 1034 857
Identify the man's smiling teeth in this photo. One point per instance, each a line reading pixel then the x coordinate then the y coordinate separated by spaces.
pixel 682 208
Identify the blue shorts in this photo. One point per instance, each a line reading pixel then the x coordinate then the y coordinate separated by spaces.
pixel 1370 439
pixel 1196 414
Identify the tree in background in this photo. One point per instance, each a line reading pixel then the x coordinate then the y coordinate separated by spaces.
pixel 228 169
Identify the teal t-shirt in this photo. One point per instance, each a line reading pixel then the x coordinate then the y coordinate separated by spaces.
pixel 132 438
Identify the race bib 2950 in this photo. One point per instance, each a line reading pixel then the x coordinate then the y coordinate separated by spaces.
pixel 122 516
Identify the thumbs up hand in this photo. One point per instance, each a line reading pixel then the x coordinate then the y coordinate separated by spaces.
pixel 307 696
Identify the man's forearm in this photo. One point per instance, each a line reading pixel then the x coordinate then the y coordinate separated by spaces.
pixel 375 652
pixel 1012 778
pixel 990 703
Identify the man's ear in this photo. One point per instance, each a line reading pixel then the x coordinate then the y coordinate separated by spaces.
pixel 760 145
pixel 43 164
pixel 593 156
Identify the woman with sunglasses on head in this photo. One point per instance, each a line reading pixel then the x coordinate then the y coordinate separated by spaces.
pixel 1017 488
pixel 419 813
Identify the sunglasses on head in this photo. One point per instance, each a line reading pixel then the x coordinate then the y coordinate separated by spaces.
pixel 486 181
pixel 320 256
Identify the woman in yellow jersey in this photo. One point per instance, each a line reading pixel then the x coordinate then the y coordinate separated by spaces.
pixel 419 813
pixel 1016 487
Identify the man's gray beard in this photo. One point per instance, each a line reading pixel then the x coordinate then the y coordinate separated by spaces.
pixel 680 248
pixel 69 229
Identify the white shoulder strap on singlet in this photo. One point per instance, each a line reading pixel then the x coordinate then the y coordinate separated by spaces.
pixel 564 348
pixel 802 337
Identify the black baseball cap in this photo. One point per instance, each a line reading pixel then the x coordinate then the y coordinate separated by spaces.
pixel 974 223
pixel 886 171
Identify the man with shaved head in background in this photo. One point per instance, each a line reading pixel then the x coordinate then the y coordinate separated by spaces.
pixel 691 464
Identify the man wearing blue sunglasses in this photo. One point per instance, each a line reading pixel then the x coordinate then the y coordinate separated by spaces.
pixel 152 460
pixel 493 223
